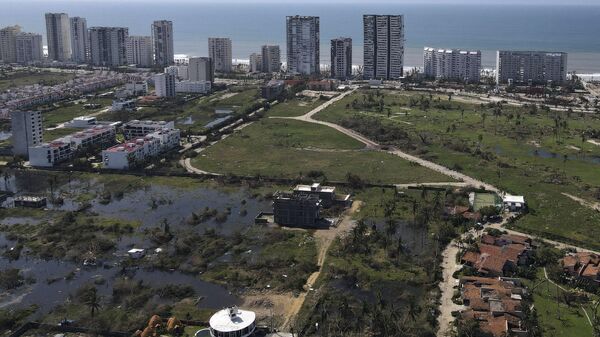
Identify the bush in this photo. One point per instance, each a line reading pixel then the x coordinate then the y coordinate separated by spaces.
pixel 11 278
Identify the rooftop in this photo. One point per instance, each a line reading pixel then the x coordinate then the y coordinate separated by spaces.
pixel 232 319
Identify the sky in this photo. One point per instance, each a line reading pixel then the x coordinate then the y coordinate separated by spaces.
pixel 474 2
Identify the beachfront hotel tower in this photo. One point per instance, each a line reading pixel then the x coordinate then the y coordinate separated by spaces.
pixel 79 39
pixel 58 36
pixel 341 58
pixel 383 50
pixel 302 44
pixel 530 67
pixel 162 39
pixel 107 46
pixel 219 50
pixel 452 64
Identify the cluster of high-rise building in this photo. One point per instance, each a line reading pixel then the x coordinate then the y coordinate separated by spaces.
pixel 512 67
pixel 70 40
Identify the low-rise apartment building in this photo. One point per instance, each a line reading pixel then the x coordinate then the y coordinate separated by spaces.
pixel 137 129
pixel 297 210
pixel 197 87
pixel 140 150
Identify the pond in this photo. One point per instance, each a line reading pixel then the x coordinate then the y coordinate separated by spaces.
pixel 552 155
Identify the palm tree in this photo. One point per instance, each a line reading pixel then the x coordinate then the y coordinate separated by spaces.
pixel 92 300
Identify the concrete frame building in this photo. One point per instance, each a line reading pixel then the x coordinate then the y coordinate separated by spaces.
pixel 452 64
pixel 255 63
pixel 139 50
pixel 27 131
pixel 341 58
pixel 383 47
pixel 271 59
pixel 107 46
pixel 136 129
pixel 162 37
pixel 58 36
pixel 79 39
pixel 164 84
pixel 201 69
pixel 303 45
pixel 141 149
pixel 197 87
pixel 298 210
pixel 61 149
pixel 219 50
pixel 29 48
pixel 8 43
pixel 530 67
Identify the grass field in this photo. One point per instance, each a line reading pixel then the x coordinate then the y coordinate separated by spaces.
pixel 294 107
pixel 201 110
pixel 519 151
pixel 287 148
pixel 65 112
pixel 572 322
pixel 22 78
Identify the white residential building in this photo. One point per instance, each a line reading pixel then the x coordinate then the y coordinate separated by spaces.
pixel 140 150
pixel 58 35
pixel 219 50
pixel 162 37
pixel 61 149
pixel 29 47
pixel 255 64
pixel 136 88
pixel 27 131
pixel 200 87
pixel 8 43
pixel 182 72
pixel 530 67
pixel 452 64
pixel 164 85
pixel 303 45
pixel 383 51
pixel 136 129
pixel 200 69
pixel 271 59
pixel 139 50
pixel 341 58
pixel 79 39
pixel 107 46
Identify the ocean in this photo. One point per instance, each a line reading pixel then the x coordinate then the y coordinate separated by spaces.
pixel 573 29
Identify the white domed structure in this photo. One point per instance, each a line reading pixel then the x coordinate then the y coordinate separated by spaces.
pixel 232 322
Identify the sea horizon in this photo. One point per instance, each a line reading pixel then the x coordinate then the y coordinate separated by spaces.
pixel 572 29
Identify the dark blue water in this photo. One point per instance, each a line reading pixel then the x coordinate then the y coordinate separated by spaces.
pixel 573 29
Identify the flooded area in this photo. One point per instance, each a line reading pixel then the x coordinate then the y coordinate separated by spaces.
pixel 414 238
pixel 56 280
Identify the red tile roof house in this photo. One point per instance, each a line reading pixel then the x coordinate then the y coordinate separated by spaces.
pixel 583 266
pixel 495 303
pixel 498 256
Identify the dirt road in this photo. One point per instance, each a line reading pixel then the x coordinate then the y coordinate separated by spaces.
pixel 324 239
pixel 449 266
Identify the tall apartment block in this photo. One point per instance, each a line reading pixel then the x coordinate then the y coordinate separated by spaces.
pixel 164 84
pixel 383 46
pixel 341 58
pixel 535 67
pixel 58 36
pixel 26 129
pixel 8 43
pixel 303 44
pixel 255 63
pixel 452 64
pixel 219 50
pixel 29 47
pixel 107 46
pixel 201 69
pixel 139 50
pixel 271 59
pixel 162 37
pixel 79 39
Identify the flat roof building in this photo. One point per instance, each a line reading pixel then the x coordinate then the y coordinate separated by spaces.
pixel 139 50
pixel 162 37
pixel 341 58
pixel 383 51
pixel 201 69
pixel 79 39
pixel 8 43
pixel 164 84
pixel 271 59
pixel 136 129
pixel 140 150
pixel 530 67
pixel 219 51
pixel 452 64
pixel 27 131
pixel 29 47
pixel 303 45
pixel 296 209
pixel 231 322
pixel 58 35
pixel 107 46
